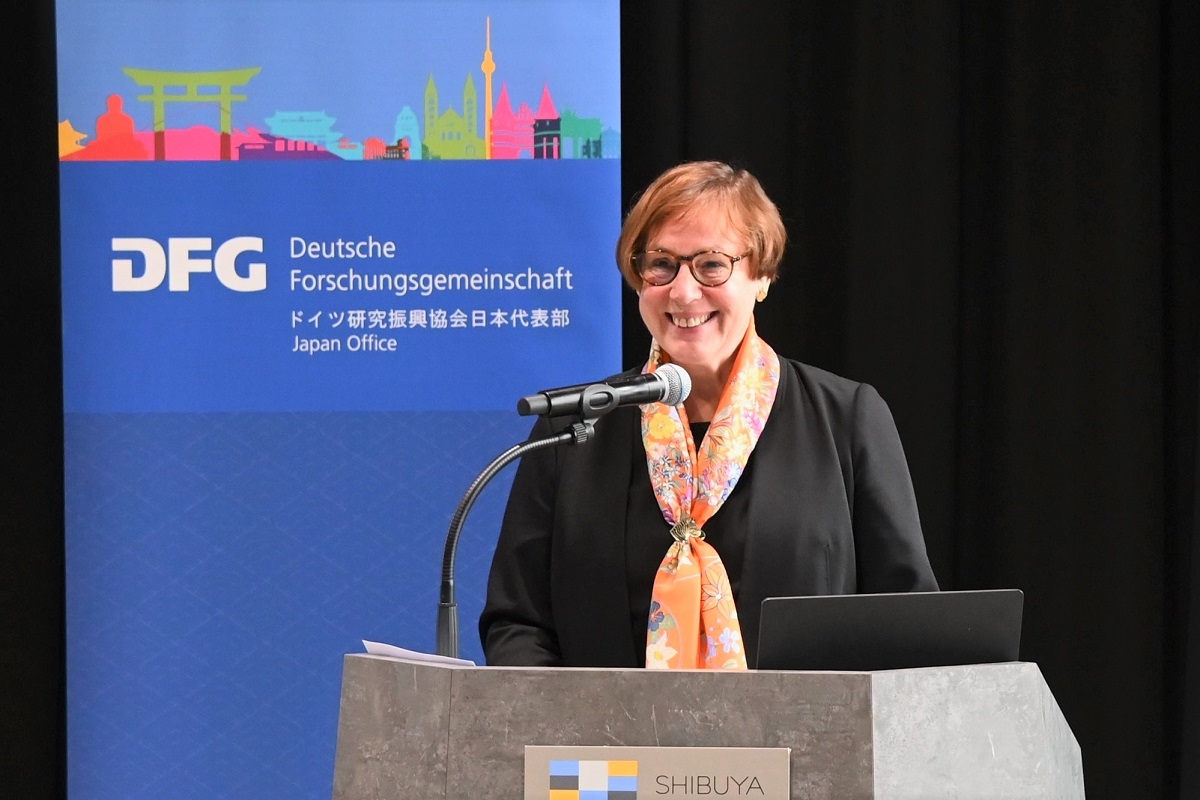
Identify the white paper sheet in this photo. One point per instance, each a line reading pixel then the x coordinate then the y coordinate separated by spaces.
pixel 391 651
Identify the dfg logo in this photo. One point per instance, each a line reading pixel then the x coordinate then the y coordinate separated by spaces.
pixel 184 256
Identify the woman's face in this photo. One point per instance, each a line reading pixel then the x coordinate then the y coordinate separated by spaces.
pixel 700 326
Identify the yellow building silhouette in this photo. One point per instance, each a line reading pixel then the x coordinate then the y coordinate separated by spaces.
pixel 451 135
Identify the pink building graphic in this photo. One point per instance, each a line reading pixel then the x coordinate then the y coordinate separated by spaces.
pixel 524 134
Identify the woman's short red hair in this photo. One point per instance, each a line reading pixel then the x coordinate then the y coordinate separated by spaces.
pixel 706 184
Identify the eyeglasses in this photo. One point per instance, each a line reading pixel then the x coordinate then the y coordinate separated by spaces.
pixel 708 267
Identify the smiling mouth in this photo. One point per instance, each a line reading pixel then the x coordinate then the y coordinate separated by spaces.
pixel 692 322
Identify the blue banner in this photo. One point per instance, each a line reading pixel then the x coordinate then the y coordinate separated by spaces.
pixel 454 286
pixel 313 252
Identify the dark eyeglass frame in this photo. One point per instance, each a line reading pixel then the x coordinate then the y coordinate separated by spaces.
pixel 637 258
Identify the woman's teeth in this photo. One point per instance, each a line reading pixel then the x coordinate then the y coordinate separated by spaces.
pixel 691 322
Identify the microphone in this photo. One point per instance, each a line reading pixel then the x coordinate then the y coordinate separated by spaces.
pixel 669 384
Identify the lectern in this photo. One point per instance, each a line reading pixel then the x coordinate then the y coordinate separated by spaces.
pixel 418 730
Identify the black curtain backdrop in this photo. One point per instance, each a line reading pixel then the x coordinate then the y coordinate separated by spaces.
pixel 992 212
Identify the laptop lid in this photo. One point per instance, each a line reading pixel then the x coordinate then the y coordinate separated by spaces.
pixel 864 632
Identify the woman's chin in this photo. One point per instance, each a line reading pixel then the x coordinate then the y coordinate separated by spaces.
pixel 691 356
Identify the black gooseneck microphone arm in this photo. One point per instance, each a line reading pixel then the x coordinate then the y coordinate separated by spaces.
pixel 447 617
pixel 591 401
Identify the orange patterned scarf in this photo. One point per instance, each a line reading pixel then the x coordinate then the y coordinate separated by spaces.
pixel 693 620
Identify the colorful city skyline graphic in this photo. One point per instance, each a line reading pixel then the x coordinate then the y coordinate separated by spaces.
pixel 449 124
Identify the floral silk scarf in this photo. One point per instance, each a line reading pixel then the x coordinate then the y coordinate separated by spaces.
pixel 693 620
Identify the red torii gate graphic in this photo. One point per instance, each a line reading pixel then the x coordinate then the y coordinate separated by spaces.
pixel 192 82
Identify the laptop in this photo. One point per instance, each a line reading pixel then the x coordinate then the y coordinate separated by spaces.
pixel 866 632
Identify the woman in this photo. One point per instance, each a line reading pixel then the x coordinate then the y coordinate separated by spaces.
pixel 655 543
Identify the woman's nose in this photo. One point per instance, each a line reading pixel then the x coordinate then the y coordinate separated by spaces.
pixel 685 287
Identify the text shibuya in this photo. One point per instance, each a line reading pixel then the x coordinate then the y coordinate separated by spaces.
pixel 704 785
pixel 426 283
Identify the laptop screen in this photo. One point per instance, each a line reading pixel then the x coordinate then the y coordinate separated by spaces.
pixel 864 632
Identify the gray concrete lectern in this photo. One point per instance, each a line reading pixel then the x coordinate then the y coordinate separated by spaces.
pixel 411 730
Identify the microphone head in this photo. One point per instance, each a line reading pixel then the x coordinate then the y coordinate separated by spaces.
pixel 679 383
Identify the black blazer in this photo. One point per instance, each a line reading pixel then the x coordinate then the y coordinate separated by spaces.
pixel 830 510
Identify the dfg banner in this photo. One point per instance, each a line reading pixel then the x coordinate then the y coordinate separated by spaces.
pixel 312 253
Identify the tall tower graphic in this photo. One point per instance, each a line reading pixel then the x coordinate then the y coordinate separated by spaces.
pixel 488 66
pixel 431 105
pixel 470 113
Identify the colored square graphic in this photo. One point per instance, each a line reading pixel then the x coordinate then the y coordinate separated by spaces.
pixel 593 780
